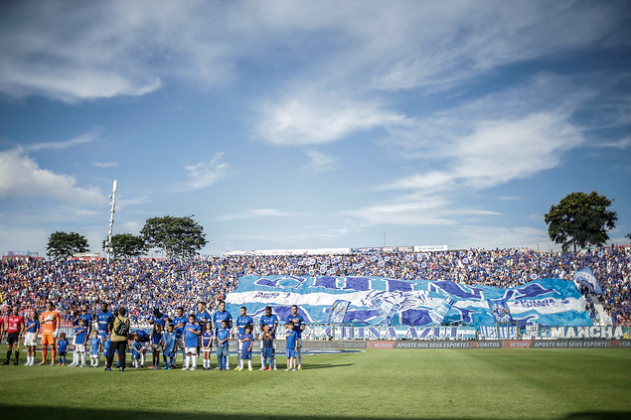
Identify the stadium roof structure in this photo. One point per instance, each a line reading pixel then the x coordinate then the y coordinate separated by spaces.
pixel 340 251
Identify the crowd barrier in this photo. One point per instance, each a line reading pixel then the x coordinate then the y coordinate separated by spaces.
pixel 498 333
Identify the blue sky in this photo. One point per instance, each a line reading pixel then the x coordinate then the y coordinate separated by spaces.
pixel 290 124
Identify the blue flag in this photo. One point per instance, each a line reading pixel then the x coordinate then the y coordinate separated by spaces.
pixel 586 276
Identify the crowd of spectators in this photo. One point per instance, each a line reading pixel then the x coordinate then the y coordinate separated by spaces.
pixel 143 284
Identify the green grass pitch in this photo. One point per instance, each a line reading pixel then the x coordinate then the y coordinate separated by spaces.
pixel 572 384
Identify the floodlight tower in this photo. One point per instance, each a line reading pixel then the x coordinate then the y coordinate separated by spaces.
pixel 108 245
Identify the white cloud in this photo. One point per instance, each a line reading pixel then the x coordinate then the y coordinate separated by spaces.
pixel 105 164
pixel 205 174
pixel 499 151
pixel 59 145
pixel 319 163
pixel 20 176
pixel 417 211
pixel 309 117
pixel 456 43
pixel 621 144
pixel 91 50
pixel 495 139
pixel 255 214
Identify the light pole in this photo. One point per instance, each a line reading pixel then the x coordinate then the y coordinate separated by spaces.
pixel 108 246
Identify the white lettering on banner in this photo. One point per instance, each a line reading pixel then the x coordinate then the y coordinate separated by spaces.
pixel 534 303
pixel 488 344
pixel 266 295
pixel 557 332
pixel 586 332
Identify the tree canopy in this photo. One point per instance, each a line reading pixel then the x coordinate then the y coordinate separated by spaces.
pixel 581 219
pixel 178 237
pixel 126 245
pixel 62 245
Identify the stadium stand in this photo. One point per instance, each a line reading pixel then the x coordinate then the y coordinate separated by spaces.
pixel 143 284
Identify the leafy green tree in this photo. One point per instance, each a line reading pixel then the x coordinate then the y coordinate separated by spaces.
pixel 581 219
pixel 126 245
pixel 62 245
pixel 178 237
pixel 628 236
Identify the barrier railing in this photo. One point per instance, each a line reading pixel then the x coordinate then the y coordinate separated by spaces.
pixel 504 331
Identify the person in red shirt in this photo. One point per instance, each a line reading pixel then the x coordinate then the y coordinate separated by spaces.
pixel 15 330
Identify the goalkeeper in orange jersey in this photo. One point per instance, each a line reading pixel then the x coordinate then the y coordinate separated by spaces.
pixel 50 331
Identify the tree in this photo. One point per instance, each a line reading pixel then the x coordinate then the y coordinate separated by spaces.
pixel 628 236
pixel 62 245
pixel 581 219
pixel 177 236
pixel 126 245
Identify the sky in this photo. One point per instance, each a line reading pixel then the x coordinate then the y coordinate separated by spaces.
pixel 312 124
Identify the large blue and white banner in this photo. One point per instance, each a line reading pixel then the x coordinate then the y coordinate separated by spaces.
pixel 385 302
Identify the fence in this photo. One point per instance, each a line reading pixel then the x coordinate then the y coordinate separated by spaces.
pixel 503 331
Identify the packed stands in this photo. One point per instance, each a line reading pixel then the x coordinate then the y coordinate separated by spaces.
pixel 143 284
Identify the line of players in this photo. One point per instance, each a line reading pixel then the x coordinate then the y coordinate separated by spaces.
pixel 188 334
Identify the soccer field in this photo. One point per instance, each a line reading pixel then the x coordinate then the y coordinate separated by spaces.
pixel 377 384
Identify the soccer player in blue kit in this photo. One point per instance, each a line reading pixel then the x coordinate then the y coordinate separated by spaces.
pixel 218 317
pixel 179 322
pixel 202 316
pixel 272 321
pixel 87 323
pixel 192 331
pixel 104 318
pixel 243 320
pixel 85 314
pixel 299 327
pixel 159 318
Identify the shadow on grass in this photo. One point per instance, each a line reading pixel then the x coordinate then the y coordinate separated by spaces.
pixel 326 366
pixel 57 413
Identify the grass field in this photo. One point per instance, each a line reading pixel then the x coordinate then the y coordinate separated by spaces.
pixel 379 384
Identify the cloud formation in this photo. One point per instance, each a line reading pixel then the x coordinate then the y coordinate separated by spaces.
pixel 85 138
pixel 255 214
pixel 105 164
pixel 205 174
pixel 92 50
pixel 498 152
pixel 311 118
pixel 21 177
pixel 319 163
